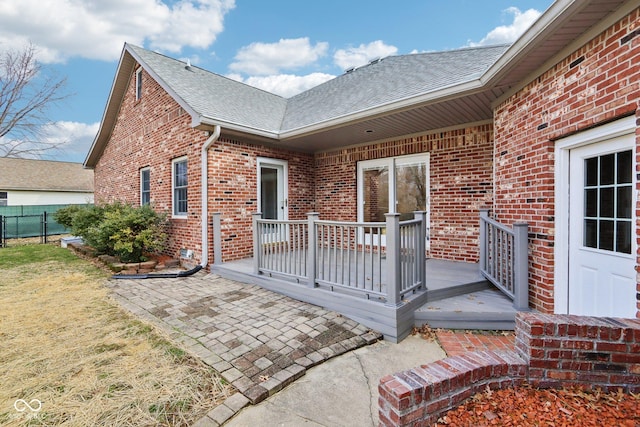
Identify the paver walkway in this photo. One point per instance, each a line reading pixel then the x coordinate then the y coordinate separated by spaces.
pixel 258 340
pixel 459 342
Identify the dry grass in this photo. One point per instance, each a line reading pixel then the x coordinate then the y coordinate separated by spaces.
pixel 64 343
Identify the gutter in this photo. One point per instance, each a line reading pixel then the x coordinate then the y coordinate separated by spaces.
pixel 205 213
pixel 205 194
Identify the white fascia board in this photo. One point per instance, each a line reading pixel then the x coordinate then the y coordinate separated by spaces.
pixel 443 94
pixel 546 22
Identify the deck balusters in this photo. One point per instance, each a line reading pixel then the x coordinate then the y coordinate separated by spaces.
pixel 381 260
pixel 504 258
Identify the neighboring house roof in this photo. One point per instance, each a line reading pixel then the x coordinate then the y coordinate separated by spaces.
pixel 44 175
pixel 397 95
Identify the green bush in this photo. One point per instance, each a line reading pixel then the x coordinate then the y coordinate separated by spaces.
pixel 118 229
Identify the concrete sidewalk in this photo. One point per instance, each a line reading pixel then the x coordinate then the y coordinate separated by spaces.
pixel 340 392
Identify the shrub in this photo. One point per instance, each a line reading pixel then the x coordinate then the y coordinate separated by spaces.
pixel 118 229
pixel 64 216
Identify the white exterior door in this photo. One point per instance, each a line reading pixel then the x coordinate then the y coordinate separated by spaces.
pixel 602 232
pixel 272 188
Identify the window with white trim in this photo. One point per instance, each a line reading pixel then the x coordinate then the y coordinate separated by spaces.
pixel 179 187
pixel 4 198
pixel 145 186
pixel 138 84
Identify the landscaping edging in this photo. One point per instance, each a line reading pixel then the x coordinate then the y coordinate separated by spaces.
pixel 552 351
pixel 114 264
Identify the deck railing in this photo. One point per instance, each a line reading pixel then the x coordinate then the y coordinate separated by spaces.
pixel 384 261
pixel 504 258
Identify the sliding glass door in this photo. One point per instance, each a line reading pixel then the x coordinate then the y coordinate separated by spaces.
pixel 393 185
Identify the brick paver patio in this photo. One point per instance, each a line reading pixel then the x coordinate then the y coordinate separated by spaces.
pixel 258 340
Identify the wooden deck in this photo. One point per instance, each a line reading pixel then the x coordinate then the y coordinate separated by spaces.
pixel 457 297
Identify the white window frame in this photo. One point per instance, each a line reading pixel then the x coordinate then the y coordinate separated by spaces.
pixel 174 162
pixel 142 190
pixel 391 163
pixel 138 84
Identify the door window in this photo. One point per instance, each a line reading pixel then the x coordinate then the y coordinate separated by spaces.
pixel 608 202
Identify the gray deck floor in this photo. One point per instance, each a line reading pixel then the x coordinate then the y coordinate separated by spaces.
pixel 457 295
pixel 440 273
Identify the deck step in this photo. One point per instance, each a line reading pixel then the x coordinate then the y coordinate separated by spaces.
pixel 483 309
pixel 440 293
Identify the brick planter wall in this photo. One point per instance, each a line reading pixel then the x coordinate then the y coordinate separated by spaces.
pixel 551 351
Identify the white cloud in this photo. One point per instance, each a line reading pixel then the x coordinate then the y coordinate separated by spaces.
pixel 264 59
pixel 509 33
pixel 97 29
pixel 357 56
pixel 63 140
pixel 285 85
pixel 73 139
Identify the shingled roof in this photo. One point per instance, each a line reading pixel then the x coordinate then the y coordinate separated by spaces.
pixel 390 97
pixel 44 175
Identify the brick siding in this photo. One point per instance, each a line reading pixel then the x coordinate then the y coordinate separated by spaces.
pixel 460 181
pixel 153 131
pixel 551 351
pixel 598 83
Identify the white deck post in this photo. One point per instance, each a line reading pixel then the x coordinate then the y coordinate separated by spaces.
pixel 311 250
pixel 394 277
pixel 421 247
pixel 256 242
pixel 484 214
pixel 217 238
pixel 521 266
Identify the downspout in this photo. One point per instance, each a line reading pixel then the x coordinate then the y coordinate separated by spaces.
pixel 205 194
pixel 205 213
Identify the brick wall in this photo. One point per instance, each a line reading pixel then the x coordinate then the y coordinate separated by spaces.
pixel 551 351
pixel 153 131
pixel 460 175
pixel 589 352
pixel 593 85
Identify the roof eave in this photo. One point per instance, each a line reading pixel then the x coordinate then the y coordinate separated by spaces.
pixel 116 95
pixel 437 96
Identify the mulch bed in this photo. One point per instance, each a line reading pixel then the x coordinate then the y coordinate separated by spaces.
pixel 529 406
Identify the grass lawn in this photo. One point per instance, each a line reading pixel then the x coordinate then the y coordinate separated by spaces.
pixel 68 350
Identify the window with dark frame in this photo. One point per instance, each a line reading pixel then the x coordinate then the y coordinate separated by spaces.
pixel 4 198
pixel 145 186
pixel 180 187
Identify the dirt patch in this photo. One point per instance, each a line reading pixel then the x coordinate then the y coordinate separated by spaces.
pixel 528 406
pixel 68 351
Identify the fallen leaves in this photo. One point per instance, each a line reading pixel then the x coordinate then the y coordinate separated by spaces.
pixel 529 406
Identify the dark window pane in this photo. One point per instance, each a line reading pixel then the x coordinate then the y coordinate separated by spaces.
pixel 591 203
pixel 606 202
pixel 623 208
pixel 625 168
pixel 591 172
pixel 623 237
pixel 606 235
pixel 607 169
pixel 591 233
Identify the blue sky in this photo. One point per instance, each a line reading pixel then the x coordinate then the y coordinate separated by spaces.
pixel 284 46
